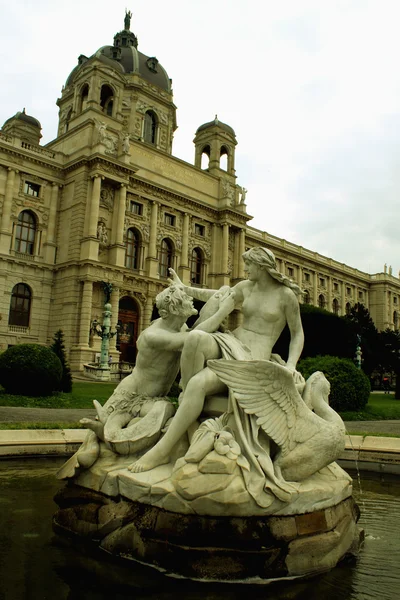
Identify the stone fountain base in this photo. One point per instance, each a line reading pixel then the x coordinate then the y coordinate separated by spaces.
pixel 227 548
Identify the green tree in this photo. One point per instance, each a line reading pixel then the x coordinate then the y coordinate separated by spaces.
pixel 362 324
pixel 324 334
pixel 389 356
pixel 58 348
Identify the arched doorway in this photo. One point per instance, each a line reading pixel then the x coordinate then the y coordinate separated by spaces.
pixel 128 321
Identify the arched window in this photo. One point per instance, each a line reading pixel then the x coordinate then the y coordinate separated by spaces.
pixel 321 301
pixel 165 257
pixel 395 319
pixel 20 306
pixel 205 157
pixel 25 233
pixel 196 267
pixel 223 158
pixel 132 249
pixel 306 297
pixel 150 127
pixel 335 307
pixel 83 98
pixel 107 99
pixel 348 308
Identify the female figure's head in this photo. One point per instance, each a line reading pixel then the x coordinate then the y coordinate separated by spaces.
pixel 265 259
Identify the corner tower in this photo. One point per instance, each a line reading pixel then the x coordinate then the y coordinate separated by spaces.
pixel 216 142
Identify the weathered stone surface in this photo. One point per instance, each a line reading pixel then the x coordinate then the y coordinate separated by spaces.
pixel 213 547
pixel 217 463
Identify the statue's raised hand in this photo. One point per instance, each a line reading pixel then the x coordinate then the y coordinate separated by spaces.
pixel 174 278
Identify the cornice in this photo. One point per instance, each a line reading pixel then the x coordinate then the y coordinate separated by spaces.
pixel 186 203
pixel 20 156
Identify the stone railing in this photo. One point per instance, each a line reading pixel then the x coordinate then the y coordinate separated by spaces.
pixel 114 372
pixel 38 149
pixel 4 137
pixel 18 329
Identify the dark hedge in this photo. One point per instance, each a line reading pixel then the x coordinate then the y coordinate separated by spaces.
pixel 30 370
pixel 350 387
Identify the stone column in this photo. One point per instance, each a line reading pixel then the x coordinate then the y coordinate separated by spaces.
pixel 225 248
pixel 390 309
pixel 329 285
pixel 300 282
pixel 148 309
pixel 152 262
pixel 242 249
pixel 119 234
pixel 315 289
pixel 343 298
pixel 114 301
pixel 50 245
pixel 94 206
pixel 184 270
pixel 86 314
pixel 6 231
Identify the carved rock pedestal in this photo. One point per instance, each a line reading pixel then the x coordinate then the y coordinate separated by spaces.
pixel 211 548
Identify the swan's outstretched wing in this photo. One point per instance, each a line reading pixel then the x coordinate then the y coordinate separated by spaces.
pixel 267 390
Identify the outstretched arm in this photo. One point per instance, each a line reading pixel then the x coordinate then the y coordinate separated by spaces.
pixel 292 310
pixel 194 292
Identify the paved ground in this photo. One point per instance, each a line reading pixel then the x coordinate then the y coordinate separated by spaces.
pixel 9 414
pixel 66 415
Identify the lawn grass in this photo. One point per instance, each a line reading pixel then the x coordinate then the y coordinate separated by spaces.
pixel 82 396
pixel 380 406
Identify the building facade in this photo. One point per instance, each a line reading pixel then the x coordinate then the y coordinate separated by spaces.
pixel 106 201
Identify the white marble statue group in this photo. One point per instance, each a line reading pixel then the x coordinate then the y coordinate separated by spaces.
pixel 248 429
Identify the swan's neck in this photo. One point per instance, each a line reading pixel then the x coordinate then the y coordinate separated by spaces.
pixel 323 410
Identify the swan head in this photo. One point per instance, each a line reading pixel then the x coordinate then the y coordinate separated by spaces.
pixel 317 388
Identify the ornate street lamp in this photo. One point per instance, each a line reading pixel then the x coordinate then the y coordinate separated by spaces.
pixel 104 330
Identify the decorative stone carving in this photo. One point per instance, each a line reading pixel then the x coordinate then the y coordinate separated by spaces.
pixel 228 192
pixel 107 197
pixel 102 234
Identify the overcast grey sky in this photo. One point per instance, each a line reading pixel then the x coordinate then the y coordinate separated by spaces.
pixel 311 87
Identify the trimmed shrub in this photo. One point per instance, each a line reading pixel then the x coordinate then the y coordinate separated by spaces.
pixel 350 387
pixel 30 370
pixel 58 348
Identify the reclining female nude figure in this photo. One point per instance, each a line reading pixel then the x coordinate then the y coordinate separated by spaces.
pixel 269 302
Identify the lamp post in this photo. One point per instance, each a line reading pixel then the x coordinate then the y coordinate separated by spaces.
pixel 104 332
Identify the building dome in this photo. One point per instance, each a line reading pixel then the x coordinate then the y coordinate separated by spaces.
pixel 218 123
pixel 124 57
pixel 22 116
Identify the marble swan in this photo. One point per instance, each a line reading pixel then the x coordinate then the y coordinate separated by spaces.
pixel 307 441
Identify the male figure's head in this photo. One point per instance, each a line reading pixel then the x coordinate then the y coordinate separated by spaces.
pixel 173 301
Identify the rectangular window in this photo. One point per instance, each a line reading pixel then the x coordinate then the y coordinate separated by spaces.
pixel 335 286
pixel 32 189
pixel 348 291
pixel 135 207
pixel 199 229
pixel 322 282
pixel 290 272
pixel 360 295
pixel 306 276
pixel 169 219
pixel 395 300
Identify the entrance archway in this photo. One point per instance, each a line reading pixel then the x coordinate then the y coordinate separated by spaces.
pixel 128 321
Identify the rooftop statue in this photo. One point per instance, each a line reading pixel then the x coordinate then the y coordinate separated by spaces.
pixel 250 436
pixel 127 20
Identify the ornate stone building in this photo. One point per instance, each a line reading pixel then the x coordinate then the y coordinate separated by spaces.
pixel 106 201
